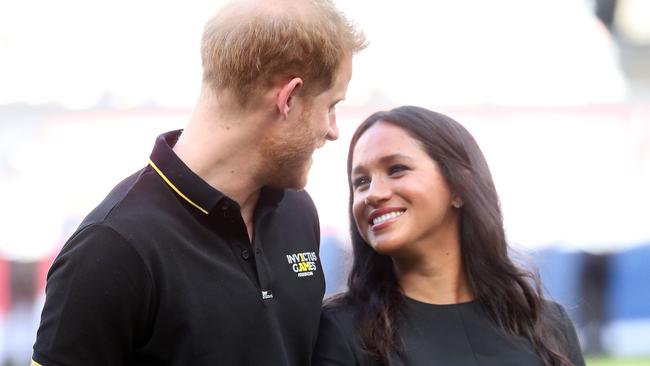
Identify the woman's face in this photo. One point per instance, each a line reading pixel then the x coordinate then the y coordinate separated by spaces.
pixel 401 202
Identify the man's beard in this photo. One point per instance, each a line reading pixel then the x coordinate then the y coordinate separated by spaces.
pixel 286 160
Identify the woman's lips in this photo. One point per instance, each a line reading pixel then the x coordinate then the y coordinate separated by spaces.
pixel 381 218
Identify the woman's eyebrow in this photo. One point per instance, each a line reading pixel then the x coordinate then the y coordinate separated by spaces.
pixel 383 160
pixel 389 158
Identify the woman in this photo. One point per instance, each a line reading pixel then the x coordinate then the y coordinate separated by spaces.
pixel 431 282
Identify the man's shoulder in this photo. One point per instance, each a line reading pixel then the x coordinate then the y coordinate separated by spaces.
pixel 119 196
pixel 134 204
pixel 141 200
pixel 297 199
pixel 297 206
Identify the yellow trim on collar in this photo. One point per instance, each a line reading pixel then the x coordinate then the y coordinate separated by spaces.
pixel 34 363
pixel 176 189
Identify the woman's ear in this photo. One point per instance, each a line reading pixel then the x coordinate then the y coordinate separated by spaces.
pixel 286 95
pixel 457 202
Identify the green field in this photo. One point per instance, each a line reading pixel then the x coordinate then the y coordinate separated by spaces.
pixel 618 361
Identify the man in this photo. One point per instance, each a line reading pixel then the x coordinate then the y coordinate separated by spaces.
pixel 205 257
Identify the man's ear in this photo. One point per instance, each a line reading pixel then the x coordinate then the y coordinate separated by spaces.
pixel 286 95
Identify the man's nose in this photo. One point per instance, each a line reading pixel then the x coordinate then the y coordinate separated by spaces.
pixel 333 130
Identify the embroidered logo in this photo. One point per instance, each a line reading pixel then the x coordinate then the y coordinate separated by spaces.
pixel 267 295
pixel 303 264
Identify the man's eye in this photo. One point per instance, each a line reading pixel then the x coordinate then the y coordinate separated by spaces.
pixel 358 182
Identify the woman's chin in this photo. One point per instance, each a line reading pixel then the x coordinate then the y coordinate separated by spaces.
pixel 386 247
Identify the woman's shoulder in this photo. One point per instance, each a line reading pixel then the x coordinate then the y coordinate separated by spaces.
pixel 555 313
pixel 559 322
pixel 556 318
pixel 340 310
pixel 338 341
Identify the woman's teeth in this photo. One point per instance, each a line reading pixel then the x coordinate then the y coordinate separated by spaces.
pixel 380 219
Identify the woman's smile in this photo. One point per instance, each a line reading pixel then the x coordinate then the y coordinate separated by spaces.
pixel 382 218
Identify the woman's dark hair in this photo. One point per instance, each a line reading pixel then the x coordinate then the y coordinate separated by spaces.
pixel 510 294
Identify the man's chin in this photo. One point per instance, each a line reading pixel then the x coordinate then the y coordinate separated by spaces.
pixel 298 185
pixel 295 183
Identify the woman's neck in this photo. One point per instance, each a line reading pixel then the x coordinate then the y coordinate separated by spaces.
pixel 435 279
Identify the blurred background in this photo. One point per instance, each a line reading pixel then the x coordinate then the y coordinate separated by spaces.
pixel 556 92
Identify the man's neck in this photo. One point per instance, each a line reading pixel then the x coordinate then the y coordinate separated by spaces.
pixel 222 149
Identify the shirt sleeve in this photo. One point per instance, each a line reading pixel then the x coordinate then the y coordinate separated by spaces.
pixel 334 346
pixel 97 297
pixel 569 338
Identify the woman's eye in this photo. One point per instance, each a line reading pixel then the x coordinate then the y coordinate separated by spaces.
pixel 358 182
pixel 397 168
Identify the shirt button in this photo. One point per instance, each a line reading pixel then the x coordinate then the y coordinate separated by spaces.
pixel 224 209
pixel 258 251
pixel 245 254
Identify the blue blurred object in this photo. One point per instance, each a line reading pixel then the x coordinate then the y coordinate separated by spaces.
pixel 628 303
pixel 560 272
pixel 335 262
pixel 629 284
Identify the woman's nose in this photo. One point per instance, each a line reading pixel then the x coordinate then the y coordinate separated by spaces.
pixel 378 191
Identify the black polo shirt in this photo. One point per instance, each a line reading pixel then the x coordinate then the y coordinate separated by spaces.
pixel 162 272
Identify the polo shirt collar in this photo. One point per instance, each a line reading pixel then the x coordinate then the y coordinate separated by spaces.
pixel 187 184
